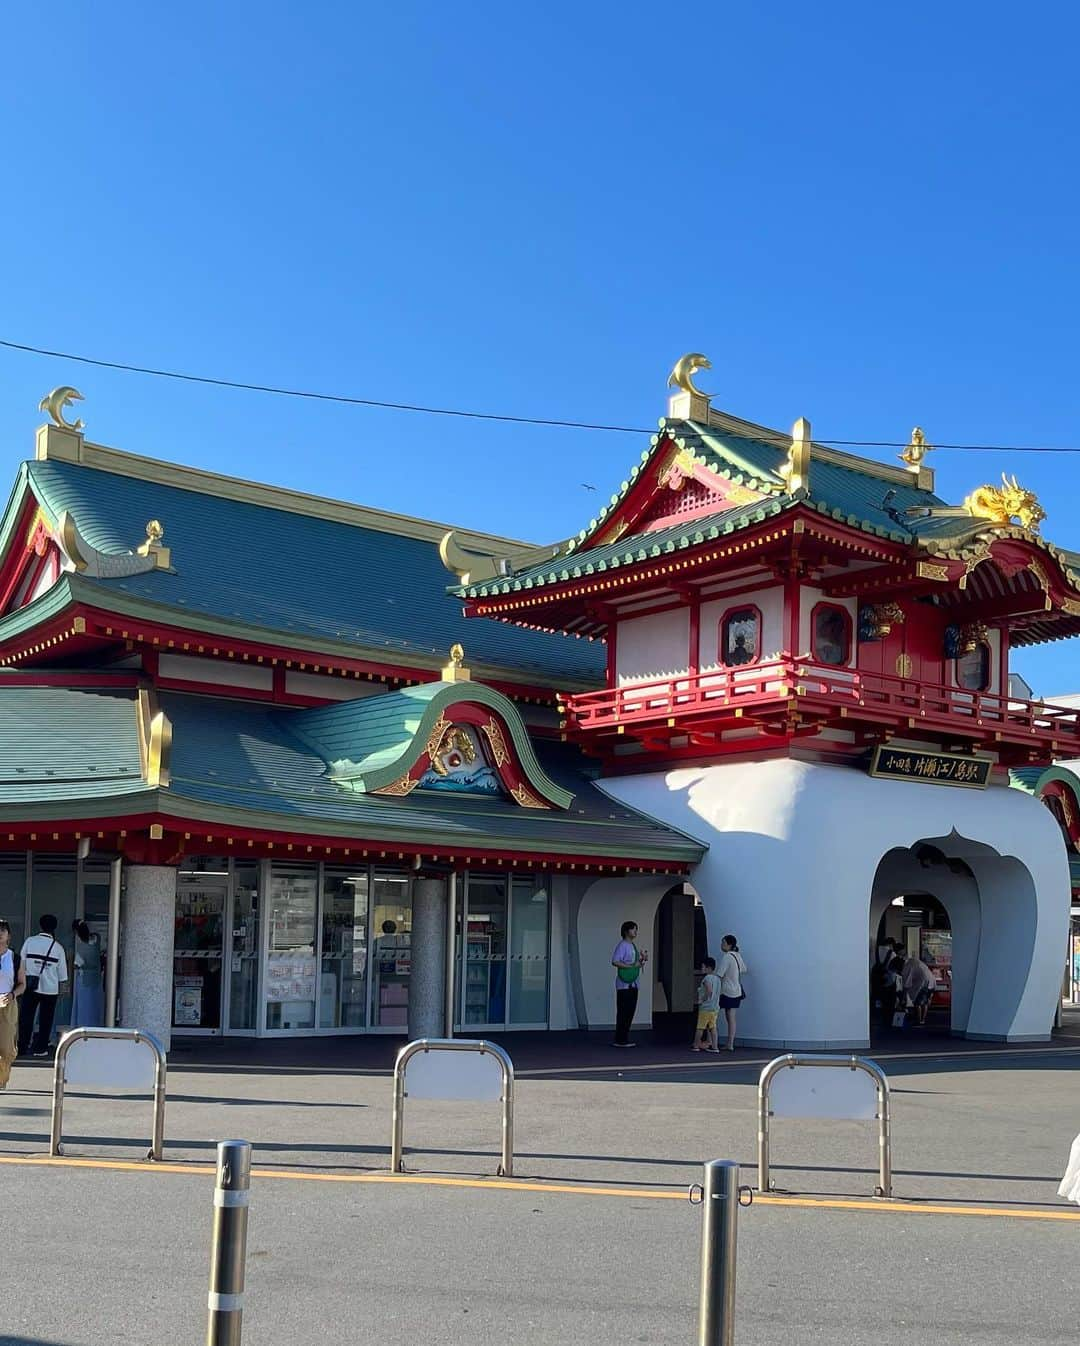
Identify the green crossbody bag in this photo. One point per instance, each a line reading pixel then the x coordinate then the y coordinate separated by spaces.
pixel 631 974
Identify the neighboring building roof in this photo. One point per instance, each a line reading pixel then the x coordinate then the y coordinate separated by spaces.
pixel 69 753
pixel 359 583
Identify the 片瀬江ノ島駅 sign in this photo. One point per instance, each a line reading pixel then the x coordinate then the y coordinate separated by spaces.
pixel 941 768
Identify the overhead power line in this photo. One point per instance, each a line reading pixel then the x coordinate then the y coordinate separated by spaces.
pixel 551 422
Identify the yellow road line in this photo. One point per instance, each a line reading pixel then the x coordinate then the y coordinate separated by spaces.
pixel 568 1189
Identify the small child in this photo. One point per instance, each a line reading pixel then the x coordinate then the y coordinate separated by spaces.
pixel 708 1000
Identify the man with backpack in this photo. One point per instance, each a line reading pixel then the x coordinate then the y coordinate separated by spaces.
pixel 45 967
pixel 12 984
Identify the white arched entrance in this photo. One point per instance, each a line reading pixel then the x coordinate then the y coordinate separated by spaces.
pixel 991 903
pixel 795 850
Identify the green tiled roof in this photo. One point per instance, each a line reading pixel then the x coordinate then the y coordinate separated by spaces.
pixel 58 743
pixel 372 741
pixel 239 764
pixel 265 573
pixel 840 491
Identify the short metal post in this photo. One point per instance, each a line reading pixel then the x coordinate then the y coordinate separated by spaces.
pixel 228 1251
pixel 506 1168
pixel 884 1139
pixel 720 1203
pixel 157 1140
pixel 397 1158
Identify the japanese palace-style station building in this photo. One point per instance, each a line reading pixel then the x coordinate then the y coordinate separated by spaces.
pixel 766 690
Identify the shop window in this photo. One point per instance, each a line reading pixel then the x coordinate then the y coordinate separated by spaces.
pixel 831 642
pixel 973 668
pixel 740 637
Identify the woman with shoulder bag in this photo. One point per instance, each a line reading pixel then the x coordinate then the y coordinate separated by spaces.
pixel 12 985
pixel 731 971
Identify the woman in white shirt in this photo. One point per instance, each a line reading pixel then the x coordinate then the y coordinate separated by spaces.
pixel 12 985
pixel 731 972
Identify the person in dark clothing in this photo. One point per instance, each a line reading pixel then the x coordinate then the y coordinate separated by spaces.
pixel 628 961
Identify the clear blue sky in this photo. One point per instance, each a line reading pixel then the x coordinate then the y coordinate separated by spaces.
pixel 863 214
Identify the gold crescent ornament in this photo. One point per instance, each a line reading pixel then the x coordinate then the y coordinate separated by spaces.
pixel 682 376
pixel 55 402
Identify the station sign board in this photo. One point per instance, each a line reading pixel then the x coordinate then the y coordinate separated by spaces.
pixel 940 768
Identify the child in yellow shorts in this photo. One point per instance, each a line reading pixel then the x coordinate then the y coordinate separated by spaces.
pixel 708 1001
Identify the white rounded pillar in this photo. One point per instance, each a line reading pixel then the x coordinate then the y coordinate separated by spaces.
pixel 427 977
pixel 147 950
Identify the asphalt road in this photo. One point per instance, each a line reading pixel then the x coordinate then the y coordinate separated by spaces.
pixel 120 1255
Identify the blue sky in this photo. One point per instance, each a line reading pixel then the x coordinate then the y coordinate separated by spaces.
pixel 862 214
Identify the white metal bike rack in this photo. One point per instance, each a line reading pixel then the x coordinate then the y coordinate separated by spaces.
pixel 110 1058
pixel 847 1098
pixel 459 1069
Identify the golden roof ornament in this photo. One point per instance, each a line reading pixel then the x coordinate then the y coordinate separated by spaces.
pixel 455 670
pixel 796 470
pixel 688 402
pixel 917 450
pixel 1001 504
pixel 152 546
pixel 55 402
pixel 682 376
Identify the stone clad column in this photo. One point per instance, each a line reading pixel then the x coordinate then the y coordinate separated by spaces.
pixel 427 978
pixel 147 950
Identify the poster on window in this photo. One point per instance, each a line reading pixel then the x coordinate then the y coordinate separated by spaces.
pixel 289 978
pixel 187 1001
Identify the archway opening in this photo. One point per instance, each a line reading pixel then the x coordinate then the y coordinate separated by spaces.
pixel 680 946
pixel 962 920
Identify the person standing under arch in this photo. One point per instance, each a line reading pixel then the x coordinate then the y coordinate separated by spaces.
pixel 731 971
pixel 628 961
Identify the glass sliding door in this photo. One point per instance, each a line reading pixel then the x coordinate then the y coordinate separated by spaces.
pixel 484 982
pixel 291 960
pixel 244 948
pixel 391 925
pixel 528 965
pixel 343 980
pixel 199 945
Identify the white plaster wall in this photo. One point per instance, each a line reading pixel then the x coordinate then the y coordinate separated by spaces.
pixel 771 603
pixel 147 960
pixel 794 851
pixel 333 689
pixel 223 672
pixel 808 601
pixel 648 649
pixel 604 906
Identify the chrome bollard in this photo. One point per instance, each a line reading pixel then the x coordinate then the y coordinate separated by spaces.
pixel 720 1197
pixel 228 1251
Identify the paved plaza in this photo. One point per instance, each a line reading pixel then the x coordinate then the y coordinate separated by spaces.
pixel 593 1240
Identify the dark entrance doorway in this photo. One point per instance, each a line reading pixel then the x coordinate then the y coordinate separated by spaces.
pixel 680 944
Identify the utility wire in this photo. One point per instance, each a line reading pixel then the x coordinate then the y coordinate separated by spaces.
pixel 488 415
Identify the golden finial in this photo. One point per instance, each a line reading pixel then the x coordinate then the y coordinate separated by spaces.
pixel 152 546
pixel 55 402
pixel 455 670
pixel 682 376
pixel 796 471
pixel 917 450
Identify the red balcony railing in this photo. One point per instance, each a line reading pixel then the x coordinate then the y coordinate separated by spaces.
pixel 819 691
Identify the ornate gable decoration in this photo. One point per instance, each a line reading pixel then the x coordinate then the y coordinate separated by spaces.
pixel 451 737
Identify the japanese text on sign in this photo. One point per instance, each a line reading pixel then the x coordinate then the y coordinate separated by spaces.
pixel 939 767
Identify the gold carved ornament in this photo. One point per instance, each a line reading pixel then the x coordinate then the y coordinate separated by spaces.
pixel 498 742
pixel 55 402
pixel 917 450
pixel 526 798
pixel 927 570
pixel 682 376
pixel 1001 504
pixel 454 740
pixel 402 786
pixel 796 468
